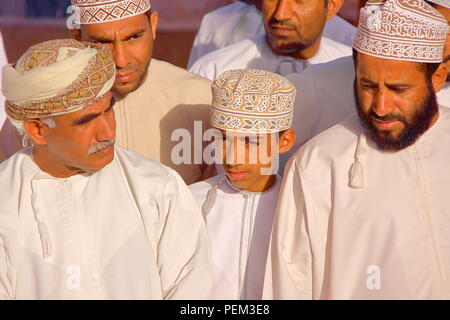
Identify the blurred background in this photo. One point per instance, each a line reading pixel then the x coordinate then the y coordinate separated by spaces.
pixel 27 22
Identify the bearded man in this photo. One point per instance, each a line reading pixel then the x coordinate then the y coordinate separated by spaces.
pixel 363 211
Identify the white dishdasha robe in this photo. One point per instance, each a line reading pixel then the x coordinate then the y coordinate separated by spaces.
pixel 239 225
pixel 129 231
pixel 381 231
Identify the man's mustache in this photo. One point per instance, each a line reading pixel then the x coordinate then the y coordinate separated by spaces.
pixel 274 23
pixel 100 146
pixel 387 118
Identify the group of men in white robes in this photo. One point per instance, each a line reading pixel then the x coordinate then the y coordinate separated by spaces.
pixel 360 200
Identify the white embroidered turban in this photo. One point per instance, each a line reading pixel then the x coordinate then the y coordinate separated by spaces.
pixel 99 11
pixel 252 101
pixel 56 77
pixel 409 30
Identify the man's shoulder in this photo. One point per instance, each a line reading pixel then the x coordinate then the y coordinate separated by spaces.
pixel 138 165
pixel 444 96
pixel 334 79
pixel 229 55
pixel 14 164
pixel 200 189
pixel 15 175
pixel 167 72
pixel 444 114
pixel 226 11
pixel 332 70
pixel 330 144
pixel 335 49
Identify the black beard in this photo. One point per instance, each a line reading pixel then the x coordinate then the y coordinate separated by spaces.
pixel 425 112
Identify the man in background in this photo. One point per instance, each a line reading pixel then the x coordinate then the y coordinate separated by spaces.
pixel 293 41
pixel 242 20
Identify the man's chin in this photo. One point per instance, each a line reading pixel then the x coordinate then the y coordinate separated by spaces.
pixel 101 164
pixel 122 89
pixel 386 141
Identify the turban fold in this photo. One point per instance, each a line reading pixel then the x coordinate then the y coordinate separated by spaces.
pixel 409 30
pixel 56 77
pixel 252 101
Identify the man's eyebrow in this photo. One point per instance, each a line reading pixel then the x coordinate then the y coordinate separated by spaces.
pixel 86 118
pixel 91 116
pixel 100 39
pixel 398 85
pixel 365 80
pixel 134 34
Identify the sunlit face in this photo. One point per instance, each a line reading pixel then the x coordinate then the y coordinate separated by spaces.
pixel 395 101
pixel 131 42
pixel 77 135
pixel 249 160
pixel 293 25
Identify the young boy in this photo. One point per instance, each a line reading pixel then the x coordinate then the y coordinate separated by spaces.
pixel 253 110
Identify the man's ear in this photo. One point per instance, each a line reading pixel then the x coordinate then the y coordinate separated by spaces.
pixel 287 141
pixel 76 34
pixel 439 76
pixel 154 23
pixel 333 8
pixel 37 131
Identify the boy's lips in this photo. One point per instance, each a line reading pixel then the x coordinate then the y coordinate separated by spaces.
pixel 237 175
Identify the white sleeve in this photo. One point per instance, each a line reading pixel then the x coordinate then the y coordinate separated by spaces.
pixel 183 251
pixel 203 43
pixel 6 287
pixel 289 272
pixel 10 140
pixel 205 69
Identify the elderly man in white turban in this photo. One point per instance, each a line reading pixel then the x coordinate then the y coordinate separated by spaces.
pixel 326 94
pixel 253 110
pixel 292 41
pixel 363 211
pixel 242 20
pixel 80 218
pixel 154 98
